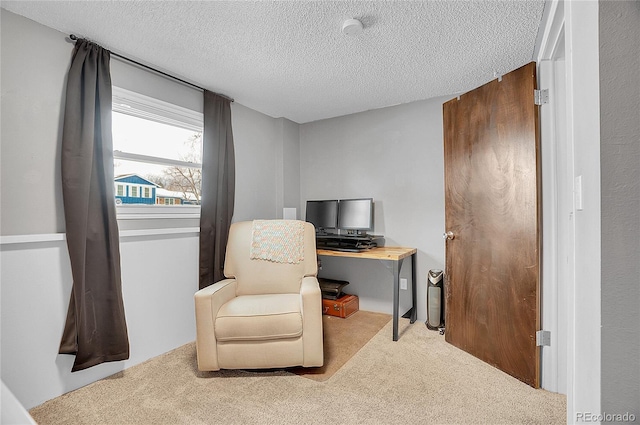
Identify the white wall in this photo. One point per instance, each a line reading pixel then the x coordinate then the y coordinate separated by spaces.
pixel 159 271
pixel 395 156
pixel 159 278
pixel 265 168
pixel 620 162
pixel 35 60
pixel 291 165
pixel 583 125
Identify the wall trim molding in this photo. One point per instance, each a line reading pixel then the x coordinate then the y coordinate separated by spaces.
pixel 124 234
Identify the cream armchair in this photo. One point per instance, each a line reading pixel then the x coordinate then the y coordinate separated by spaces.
pixel 266 314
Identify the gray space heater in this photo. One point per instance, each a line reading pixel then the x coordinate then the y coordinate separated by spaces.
pixel 435 300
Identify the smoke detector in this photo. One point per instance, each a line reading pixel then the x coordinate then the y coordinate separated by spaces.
pixel 352 27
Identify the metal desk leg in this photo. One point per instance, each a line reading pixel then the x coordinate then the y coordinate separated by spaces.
pixel 412 313
pixel 397 265
pixel 414 309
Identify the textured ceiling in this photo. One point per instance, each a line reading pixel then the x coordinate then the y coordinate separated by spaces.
pixel 290 58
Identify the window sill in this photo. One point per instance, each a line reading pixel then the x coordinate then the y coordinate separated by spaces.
pixel 146 212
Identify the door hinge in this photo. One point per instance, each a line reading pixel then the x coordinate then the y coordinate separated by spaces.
pixel 541 97
pixel 543 338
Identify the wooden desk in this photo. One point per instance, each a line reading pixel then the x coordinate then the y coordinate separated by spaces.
pixel 390 256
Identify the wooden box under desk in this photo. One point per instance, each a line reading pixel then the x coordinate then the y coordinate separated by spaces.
pixel 343 307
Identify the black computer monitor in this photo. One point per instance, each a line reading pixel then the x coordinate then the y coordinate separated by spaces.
pixel 322 214
pixel 355 214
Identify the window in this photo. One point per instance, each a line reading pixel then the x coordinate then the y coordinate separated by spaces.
pixel 157 150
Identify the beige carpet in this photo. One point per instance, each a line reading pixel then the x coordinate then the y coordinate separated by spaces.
pixel 418 379
pixel 342 339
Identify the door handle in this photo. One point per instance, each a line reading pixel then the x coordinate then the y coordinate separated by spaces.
pixel 448 235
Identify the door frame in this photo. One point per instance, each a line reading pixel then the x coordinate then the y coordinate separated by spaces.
pixel 555 164
pixel 578 22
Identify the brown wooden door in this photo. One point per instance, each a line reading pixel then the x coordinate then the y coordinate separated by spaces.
pixel 491 147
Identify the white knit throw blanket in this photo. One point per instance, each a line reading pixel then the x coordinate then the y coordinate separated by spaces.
pixel 279 241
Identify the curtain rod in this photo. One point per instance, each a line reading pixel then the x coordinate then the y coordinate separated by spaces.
pixel 74 37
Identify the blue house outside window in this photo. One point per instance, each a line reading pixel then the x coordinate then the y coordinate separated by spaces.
pixel 133 189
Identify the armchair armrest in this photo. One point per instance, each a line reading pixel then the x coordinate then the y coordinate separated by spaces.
pixel 312 322
pixel 207 303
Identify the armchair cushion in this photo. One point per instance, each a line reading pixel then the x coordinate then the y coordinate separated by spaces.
pixel 259 317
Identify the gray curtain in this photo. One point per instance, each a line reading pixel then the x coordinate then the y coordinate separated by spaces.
pixel 218 187
pixel 95 330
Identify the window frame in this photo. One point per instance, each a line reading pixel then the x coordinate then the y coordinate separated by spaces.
pixel 145 107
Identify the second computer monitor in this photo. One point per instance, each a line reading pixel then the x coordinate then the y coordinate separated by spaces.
pixel 355 214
